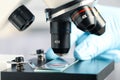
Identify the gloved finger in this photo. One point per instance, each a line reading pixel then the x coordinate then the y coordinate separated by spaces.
pixel 94 45
pixel 75 34
pixel 50 54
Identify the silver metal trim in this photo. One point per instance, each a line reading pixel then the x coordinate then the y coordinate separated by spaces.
pixel 84 2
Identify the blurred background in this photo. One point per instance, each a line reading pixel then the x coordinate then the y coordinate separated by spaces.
pixel 37 36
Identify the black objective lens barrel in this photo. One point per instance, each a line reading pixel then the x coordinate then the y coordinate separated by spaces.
pixel 84 18
pixel 100 22
pixel 89 20
pixel 60 36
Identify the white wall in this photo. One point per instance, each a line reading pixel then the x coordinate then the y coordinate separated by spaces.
pixel 115 3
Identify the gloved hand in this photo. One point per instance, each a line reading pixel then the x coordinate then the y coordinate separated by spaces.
pixel 88 46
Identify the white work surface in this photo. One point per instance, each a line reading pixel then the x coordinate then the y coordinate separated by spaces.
pixel 28 42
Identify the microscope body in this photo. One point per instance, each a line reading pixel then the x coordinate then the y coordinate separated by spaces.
pixel 81 12
pixel 60 14
pixel 84 16
pixel 14 13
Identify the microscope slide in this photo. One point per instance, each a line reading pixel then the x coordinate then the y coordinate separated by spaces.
pixel 56 65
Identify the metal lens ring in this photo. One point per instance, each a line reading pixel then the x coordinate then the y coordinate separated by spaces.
pixel 84 18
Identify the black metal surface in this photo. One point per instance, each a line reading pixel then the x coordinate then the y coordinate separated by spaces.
pixel 60 36
pixel 96 69
pixel 21 18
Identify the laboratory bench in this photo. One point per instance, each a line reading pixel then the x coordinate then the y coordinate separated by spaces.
pixel 95 69
pixel 27 43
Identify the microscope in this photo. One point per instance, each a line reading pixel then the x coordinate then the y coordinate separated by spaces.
pixel 60 14
pixel 81 12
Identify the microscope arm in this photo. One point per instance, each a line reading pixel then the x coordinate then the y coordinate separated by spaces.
pixel 14 11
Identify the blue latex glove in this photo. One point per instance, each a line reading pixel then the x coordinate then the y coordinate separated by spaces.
pixel 88 46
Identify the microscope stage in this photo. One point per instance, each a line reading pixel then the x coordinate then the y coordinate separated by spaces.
pixel 95 69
